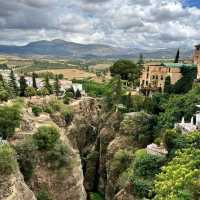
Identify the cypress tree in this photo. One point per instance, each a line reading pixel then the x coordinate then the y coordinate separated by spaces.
pixel 177 56
pixel 167 86
pixel 13 83
pixel 78 94
pixel 47 84
pixel 57 86
pixel 129 103
pixel 23 86
pixel 141 60
pixel 34 80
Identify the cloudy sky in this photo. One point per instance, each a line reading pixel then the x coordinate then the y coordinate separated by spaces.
pixel 148 24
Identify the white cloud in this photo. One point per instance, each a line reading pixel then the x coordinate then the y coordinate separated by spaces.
pixel 132 23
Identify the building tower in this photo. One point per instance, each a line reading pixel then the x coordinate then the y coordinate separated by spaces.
pixel 196 59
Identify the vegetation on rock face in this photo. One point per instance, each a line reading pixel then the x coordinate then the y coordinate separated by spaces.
pixel 96 196
pixel 43 195
pixel 8 163
pixel 10 117
pixel 140 126
pixel 27 158
pixel 46 137
pixel 58 156
pixel 37 110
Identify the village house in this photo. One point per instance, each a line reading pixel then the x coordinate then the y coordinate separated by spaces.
pixel 154 74
pixel 188 127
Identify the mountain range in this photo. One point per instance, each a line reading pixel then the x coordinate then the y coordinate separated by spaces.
pixel 64 49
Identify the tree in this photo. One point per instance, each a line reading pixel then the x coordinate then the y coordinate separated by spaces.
pixel 143 171
pixel 177 56
pixel 57 86
pixel 34 80
pixel 42 92
pixel 47 85
pixel 178 106
pixel 30 91
pixel 127 70
pixel 141 60
pixel 13 83
pixel 129 103
pixel 10 117
pixel 23 86
pixel 46 137
pixel 180 178
pixel 168 86
pixel 77 94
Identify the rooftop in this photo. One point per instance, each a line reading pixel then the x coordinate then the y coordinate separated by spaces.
pixel 178 65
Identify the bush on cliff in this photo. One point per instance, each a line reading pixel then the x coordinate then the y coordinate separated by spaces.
pixel 58 157
pixel 46 137
pixel 10 117
pixel 27 158
pixel 8 163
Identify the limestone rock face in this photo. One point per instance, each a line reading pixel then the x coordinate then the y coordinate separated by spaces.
pixel 61 185
pixel 14 188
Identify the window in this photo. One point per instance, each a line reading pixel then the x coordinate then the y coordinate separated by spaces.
pixel 161 77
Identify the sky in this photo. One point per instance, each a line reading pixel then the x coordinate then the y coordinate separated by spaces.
pixel 147 24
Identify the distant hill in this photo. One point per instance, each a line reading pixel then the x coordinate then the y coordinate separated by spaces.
pixel 61 48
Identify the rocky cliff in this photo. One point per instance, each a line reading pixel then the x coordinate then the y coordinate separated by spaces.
pixel 13 187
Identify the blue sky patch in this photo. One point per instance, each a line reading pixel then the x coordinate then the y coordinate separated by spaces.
pixel 191 3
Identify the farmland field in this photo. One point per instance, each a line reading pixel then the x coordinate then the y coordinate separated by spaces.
pixel 71 73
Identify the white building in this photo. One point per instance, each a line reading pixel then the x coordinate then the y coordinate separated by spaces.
pixel 188 127
pixel 2 142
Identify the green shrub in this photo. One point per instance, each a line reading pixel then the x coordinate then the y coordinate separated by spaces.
pixel 48 109
pixel 142 188
pixel 69 94
pixel 96 196
pixel 66 100
pixel 147 165
pixel 26 157
pixel 8 163
pixel 43 195
pixel 68 115
pixel 46 137
pixel 36 110
pixel 56 105
pixel 10 117
pixel 58 157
